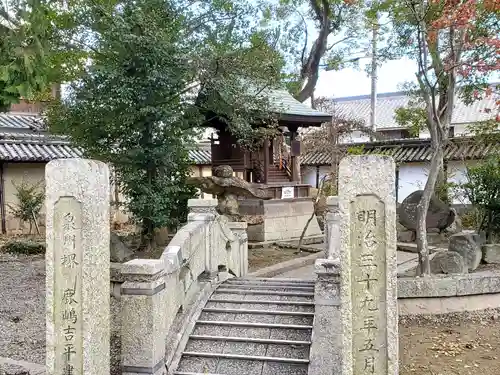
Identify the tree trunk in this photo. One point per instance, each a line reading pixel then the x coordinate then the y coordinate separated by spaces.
pixel 315 204
pixel 440 189
pixel 423 206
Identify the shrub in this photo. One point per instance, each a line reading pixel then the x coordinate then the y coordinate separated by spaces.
pixel 26 247
pixel 30 199
pixel 482 189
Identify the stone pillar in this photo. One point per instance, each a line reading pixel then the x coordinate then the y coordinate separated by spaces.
pixel 143 303
pixel 240 230
pixel 77 267
pixel 368 265
pixel 332 229
pixel 326 347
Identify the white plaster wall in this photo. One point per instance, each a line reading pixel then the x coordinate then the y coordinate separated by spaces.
pixel 309 174
pixel 412 176
pixel 457 173
pixel 424 134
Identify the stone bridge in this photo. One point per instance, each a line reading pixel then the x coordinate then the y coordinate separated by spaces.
pixel 214 320
pixel 195 311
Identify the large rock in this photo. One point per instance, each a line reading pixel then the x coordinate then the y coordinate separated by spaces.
pixel 119 252
pixel 491 253
pixel 456 226
pixel 448 262
pixel 468 245
pixel 406 236
pixel 439 216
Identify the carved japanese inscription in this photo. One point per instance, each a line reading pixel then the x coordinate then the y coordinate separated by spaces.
pixel 68 287
pixel 368 290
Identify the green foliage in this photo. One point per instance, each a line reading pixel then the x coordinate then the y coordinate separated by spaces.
pixel 30 199
pixel 137 105
pixel 355 150
pixel 329 187
pixel 26 247
pixel 412 118
pixel 482 189
pixel 24 33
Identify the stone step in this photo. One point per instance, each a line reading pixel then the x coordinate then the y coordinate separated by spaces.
pixel 283 306
pixel 249 339
pixel 248 347
pixel 255 311
pixel 274 280
pixel 252 324
pixel 244 296
pixel 235 281
pixel 294 332
pixel 231 366
pixel 274 287
pixel 245 357
pixel 261 317
pixel 291 293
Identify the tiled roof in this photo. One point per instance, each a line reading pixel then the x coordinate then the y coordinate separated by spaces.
pixel 358 107
pixel 408 151
pixel 284 103
pixel 22 139
pixel 14 121
pixel 25 150
pixel 201 157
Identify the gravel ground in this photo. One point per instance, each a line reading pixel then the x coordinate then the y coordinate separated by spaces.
pixel 22 310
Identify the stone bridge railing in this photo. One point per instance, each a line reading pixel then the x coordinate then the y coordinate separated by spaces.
pixel 154 290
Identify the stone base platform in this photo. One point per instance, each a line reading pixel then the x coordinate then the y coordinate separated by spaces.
pixel 280 219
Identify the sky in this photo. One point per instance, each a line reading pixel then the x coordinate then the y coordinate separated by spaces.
pixel 353 82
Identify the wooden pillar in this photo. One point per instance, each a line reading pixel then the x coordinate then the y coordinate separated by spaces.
pixel 266 160
pixel 293 156
pixel 317 177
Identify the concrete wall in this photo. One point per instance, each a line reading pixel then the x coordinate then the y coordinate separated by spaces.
pixel 281 219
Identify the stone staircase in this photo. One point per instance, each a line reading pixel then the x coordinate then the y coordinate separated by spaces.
pixel 252 327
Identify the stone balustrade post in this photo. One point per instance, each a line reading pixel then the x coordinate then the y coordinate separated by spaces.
pixel 204 210
pixel 240 231
pixel 332 228
pixel 326 347
pixel 143 299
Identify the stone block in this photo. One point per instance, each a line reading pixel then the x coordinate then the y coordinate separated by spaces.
pixel 406 236
pixel 436 239
pixel 77 267
pixel 425 287
pixel 448 262
pixel 468 245
pixel 368 265
pixel 326 339
pixel 491 253
pixel 143 299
